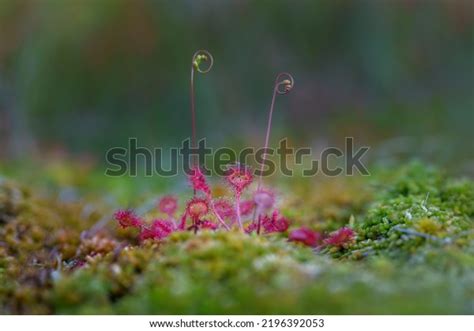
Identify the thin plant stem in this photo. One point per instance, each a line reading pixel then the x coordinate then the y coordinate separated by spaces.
pixel 237 210
pixel 287 85
pixel 259 224
pixel 193 111
pixel 219 218
pixel 267 137
pixel 173 220
pixel 198 57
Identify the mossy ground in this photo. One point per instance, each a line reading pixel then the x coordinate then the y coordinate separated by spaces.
pixel 414 253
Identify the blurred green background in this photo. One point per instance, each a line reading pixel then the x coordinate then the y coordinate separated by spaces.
pixel 80 77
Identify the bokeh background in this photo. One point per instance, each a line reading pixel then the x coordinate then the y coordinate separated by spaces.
pixel 78 77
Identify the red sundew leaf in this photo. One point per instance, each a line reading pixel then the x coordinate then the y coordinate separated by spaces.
pixel 198 181
pixel 197 207
pixel 127 218
pixel 159 229
pixel 239 177
pixel 208 225
pixel 264 198
pixel 224 209
pixel 340 237
pixel 275 223
pixel 168 205
pixel 306 236
pixel 246 207
pixel 269 224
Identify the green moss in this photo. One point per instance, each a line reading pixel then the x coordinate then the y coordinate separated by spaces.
pixel 192 274
pixel 416 207
pixel 413 253
pixel 12 200
pixel 458 195
pixel 413 179
pixel 36 235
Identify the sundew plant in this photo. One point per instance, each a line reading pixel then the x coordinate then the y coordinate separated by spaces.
pixel 275 162
pixel 257 213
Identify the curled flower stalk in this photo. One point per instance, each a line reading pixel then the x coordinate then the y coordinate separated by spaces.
pixel 284 83
pixel 198 59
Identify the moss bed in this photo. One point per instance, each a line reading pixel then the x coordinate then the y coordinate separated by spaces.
pixel 413 254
